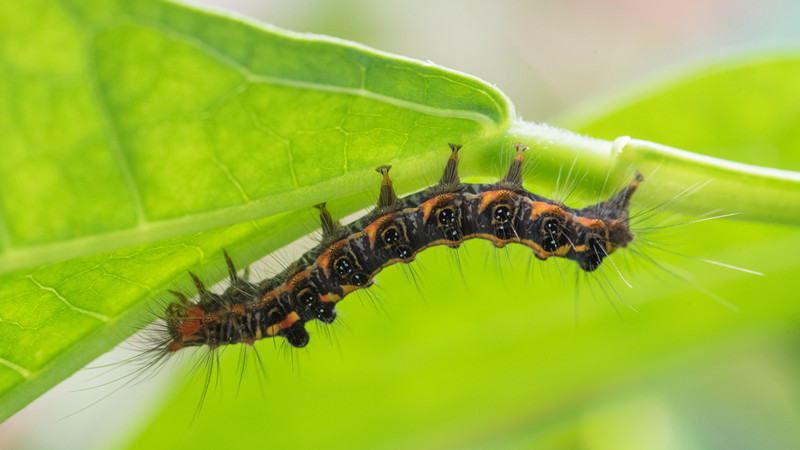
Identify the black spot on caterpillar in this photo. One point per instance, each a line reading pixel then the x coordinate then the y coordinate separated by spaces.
pixel 395 231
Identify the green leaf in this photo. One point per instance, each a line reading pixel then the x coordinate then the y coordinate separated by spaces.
pixel 155 120
pixel 133 122
pixel 761 118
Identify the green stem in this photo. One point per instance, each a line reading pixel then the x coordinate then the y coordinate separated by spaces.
pixel 755 193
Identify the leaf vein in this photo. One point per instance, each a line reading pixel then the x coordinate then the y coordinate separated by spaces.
pixel 66 302
pixel 252 77
pixel 16 368
pixel 224 167
pixel 265 128
pixel 117 150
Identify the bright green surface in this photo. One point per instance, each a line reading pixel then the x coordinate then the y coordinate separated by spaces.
pixel 756 92
pixel 132 121
pixel 127 124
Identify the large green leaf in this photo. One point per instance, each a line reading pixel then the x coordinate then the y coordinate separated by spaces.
pixel 132 122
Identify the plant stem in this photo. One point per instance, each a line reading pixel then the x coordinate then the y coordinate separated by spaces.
pixel 755 193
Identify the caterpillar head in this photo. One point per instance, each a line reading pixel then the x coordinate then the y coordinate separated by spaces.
pixel 603 228
pixel 185 324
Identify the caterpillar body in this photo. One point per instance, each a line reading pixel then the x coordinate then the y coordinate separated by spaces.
pixel 395 231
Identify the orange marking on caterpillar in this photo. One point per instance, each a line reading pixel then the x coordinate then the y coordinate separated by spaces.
pixel 496 241
pixel 348 288
pixel 493 196
pixel 213 317
pixel 330 297
pixel 561 251
pixel 296 278
pixel 540 253
pixel 428 206
pixel 538 208
pixel 590 223
pixel 285 287
pixel 324 258
pixel 174 346
pixel 372 229
pixel 194 322
pixel 290 319
pixel 268 297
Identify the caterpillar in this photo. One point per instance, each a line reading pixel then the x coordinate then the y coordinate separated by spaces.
pixel 395 231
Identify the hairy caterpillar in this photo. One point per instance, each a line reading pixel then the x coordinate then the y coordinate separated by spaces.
pixel 396 230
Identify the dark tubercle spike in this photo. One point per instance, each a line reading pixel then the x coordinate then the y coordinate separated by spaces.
pixel 181 298
pixel 622 200
pixel 513 178
pixel 387 199
pixel 291 269
pixel 618 204
pixel 231 268
pixel 450 178
pixel 331 229
pixel 201 289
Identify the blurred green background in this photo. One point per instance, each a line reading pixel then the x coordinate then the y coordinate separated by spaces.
pixel 493 349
